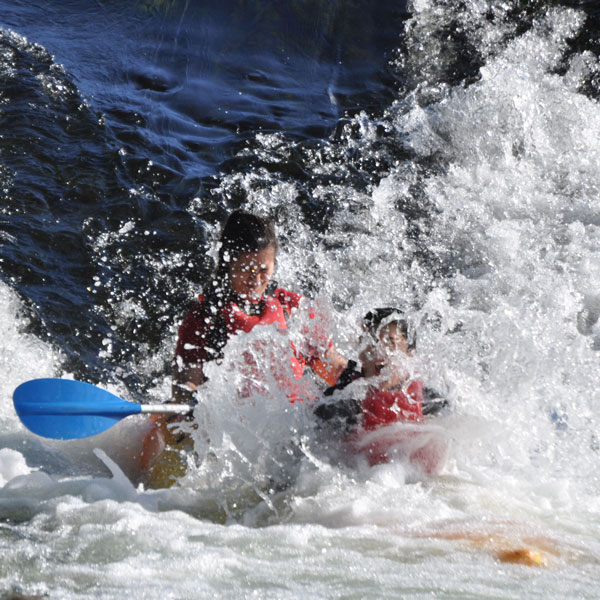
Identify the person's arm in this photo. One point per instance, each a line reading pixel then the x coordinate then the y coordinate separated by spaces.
pixel 330 367
pixel 186 380
pixel 319 353
pixel 191 352
pixel 433 402
pixel 346 377
pixel 164 433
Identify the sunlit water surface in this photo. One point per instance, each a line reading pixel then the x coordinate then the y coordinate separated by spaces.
pixel 471 200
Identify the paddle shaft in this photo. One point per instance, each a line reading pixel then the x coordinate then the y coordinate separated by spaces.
pixel 175 409
pixel 123 409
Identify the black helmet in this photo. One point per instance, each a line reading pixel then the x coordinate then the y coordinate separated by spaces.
pixel 374 319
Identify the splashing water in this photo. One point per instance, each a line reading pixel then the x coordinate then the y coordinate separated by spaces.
pixel 473 205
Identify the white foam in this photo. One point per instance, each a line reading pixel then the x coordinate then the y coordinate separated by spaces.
pixel 12 464
pixel 22 356
pixel 511 329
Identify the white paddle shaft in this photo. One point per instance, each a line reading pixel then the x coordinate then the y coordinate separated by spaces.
pixel 178 409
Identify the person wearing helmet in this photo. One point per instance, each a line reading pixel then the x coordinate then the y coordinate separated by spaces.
pixel 392 394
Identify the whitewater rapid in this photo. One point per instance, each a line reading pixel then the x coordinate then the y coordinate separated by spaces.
pixel 493 252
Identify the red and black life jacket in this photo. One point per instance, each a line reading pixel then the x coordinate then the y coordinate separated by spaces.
pixel 207 327
pixel 384 407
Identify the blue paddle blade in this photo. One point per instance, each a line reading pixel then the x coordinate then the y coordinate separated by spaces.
pixel 65 409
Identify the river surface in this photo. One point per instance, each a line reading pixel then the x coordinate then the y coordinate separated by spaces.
pixel 438 155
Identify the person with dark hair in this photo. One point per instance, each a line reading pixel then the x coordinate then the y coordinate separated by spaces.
pixel 393 396
pixel 235 301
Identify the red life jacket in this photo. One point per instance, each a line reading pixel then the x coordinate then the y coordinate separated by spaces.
pixel 206 328
pixel 205 331
pixel 384 407
pixel 273 312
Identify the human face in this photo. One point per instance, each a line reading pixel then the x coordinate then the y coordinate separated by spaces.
pixel 392 339
pixel 376 355
pixel 250 273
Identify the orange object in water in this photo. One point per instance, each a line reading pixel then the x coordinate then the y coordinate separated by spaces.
pixel 523 556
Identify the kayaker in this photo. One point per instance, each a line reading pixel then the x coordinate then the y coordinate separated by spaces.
pixel 236 300
pixel 392 393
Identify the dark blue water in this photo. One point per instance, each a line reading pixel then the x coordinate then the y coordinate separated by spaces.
pixel 119 121
pixel 122 113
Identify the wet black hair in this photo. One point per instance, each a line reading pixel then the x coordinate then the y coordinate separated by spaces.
pixel 243 232
pixel 373 319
